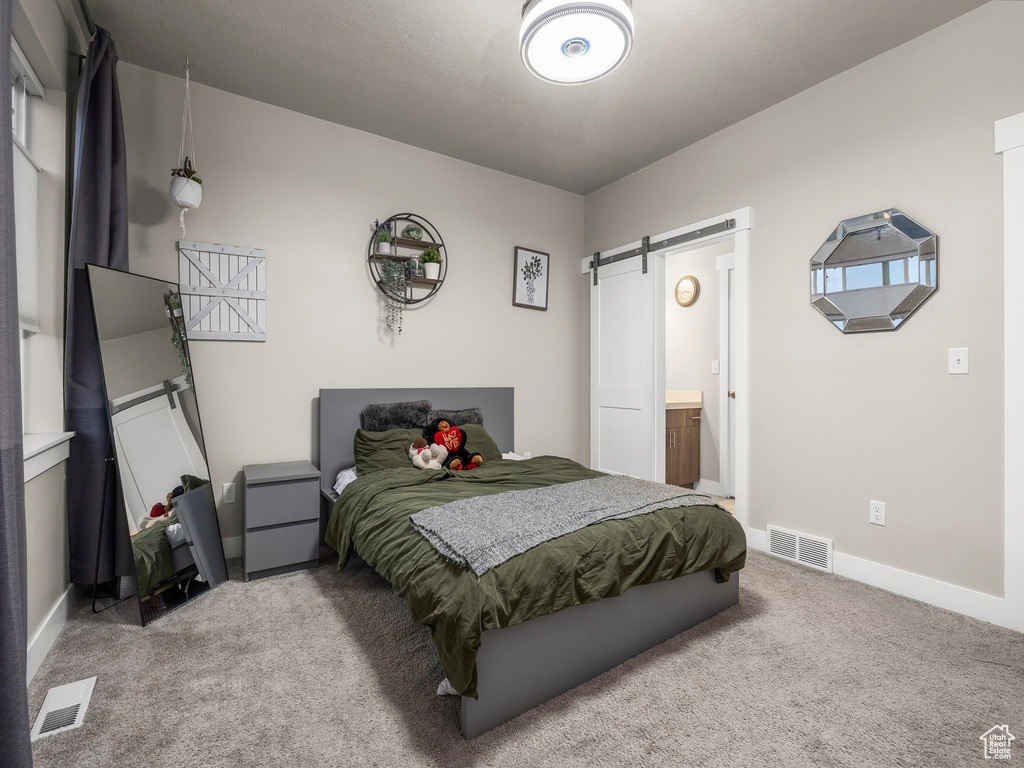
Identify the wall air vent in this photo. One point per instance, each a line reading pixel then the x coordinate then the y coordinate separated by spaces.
pixel 63 708
pixel 800 548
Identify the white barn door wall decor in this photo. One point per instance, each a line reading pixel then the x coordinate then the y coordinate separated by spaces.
pixel 223 291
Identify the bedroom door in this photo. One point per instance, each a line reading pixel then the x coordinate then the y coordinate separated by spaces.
pixel 623 313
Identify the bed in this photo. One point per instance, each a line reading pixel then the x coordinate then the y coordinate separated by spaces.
pixel 545 620
pixel 156 561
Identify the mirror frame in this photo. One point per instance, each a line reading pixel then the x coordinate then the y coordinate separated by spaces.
pixel 927 245
pixel 144 617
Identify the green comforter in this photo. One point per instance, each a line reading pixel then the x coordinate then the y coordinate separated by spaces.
pixel 152 551
pixel 603 560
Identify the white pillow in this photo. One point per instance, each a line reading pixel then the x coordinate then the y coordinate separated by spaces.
pixel 512 456
pixel 345 477
pixel 175 535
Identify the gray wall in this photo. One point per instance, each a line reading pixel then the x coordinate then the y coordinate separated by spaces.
pixel 839 420
pixel 307 191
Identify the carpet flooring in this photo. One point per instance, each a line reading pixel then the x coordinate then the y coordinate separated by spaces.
pixel 321 668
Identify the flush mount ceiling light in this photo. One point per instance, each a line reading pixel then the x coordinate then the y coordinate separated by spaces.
pixel 574 43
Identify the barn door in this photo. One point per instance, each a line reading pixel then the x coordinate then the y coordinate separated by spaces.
pixel 623 311
pixel 223 291
pixel 155 446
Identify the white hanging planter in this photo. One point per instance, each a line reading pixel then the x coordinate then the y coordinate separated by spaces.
pixel 186 193
pixel 186 186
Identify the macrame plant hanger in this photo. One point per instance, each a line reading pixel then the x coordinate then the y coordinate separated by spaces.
pixel 186 187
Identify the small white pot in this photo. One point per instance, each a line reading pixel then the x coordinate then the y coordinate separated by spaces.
pixel 432 271
pixel 186 193
pixel 384 249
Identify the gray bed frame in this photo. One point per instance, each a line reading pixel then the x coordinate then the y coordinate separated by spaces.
pixel 524 665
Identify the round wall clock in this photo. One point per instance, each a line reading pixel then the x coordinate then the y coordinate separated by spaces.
pixel 687 291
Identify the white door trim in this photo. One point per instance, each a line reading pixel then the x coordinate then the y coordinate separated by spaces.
pixel 726 264
pixel 1009 142
pixel 740 235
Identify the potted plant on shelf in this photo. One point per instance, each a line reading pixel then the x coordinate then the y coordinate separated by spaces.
pixel 384 237
pixel 393 284
pixel 412 232
pixel 431 263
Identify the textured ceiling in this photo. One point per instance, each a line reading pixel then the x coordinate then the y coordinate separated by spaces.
pixel 445 75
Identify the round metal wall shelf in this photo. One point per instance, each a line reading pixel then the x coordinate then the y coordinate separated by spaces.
pixel 403 250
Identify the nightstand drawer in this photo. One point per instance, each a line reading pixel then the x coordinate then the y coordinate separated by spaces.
pixel 284 502
pixel 286 545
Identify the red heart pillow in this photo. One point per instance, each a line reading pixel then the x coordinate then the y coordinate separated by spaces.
pixel 449 436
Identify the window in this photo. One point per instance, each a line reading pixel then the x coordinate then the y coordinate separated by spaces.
pixel 26 202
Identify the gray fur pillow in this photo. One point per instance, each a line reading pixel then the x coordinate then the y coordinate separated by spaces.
pixel 380 417
pixel 465 416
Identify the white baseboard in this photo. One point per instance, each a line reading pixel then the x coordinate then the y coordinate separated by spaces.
pixel 942 594
pixel 232 547
pixel 757 539
pixel 44 638
pixel 710 487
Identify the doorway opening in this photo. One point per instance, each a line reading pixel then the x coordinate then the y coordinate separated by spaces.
pixel 700 417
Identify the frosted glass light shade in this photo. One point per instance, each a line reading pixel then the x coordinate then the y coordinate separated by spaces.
pixel 573 43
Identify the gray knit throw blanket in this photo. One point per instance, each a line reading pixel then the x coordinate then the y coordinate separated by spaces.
pixel 483 532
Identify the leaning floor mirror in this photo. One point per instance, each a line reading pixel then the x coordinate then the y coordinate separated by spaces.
pixel 157 440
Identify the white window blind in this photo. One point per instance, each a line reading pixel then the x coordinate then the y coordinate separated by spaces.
pixel 26 202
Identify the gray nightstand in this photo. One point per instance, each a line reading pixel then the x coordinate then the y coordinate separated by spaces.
pixel 281 518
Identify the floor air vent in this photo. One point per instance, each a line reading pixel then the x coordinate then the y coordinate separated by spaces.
pixel 800 548
pixel 64 708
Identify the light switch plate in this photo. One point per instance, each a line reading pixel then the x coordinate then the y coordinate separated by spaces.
pixel 714 367
pixel 229 493
pixel 958 360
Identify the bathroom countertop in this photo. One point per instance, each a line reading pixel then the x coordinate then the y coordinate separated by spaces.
pixel 678 399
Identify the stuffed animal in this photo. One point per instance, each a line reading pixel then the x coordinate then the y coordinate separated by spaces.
pixel 427 456
pixel 443 432
pixel 162 510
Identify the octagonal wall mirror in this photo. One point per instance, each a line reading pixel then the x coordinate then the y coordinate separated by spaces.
pixel 874 272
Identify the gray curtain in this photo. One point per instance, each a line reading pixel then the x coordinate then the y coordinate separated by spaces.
pixel 15 748
pixel 99 235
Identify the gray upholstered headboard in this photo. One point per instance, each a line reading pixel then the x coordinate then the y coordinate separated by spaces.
pixel 339 418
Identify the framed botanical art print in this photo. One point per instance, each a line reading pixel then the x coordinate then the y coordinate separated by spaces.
pixel 530 279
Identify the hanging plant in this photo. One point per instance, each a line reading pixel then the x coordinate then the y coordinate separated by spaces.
pixel 173 302
pixel 186 186
pixel 393 283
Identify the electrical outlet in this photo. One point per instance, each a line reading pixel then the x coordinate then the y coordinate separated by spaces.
pixel 714 367
pixel 229 493
pixel 876 512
